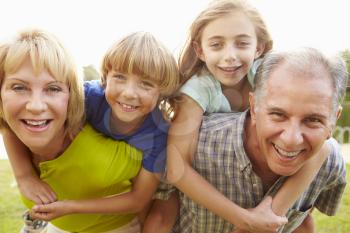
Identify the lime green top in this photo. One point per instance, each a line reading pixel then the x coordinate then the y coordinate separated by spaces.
pixel 92 166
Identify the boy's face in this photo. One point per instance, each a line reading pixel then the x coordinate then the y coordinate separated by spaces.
pixel 130 97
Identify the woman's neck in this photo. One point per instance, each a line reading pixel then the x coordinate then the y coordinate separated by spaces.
pixel 51 150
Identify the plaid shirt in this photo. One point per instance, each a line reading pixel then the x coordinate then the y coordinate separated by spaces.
pixel 221 159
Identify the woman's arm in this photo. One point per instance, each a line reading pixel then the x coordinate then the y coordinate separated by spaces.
pixel 134 201
pixel 27 179
pixel 182 142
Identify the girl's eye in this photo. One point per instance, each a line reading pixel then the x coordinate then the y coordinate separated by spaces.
pixel 215 45
pixel 243 44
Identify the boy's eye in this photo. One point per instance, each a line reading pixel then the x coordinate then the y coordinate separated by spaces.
pixel 147 84
pixel 119 77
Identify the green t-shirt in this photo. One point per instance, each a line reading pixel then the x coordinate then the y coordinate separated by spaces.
pixel 92 166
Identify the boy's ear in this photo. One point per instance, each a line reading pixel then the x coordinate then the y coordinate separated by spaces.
pixel 198 49
pixel 259 50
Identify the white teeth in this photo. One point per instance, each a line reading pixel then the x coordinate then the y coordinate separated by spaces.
pixel 36 123
pixel 127 106
pixel 286 153
pixel 230 69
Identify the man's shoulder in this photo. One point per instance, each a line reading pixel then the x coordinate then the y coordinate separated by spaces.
pixel 220 121
pixel 335 162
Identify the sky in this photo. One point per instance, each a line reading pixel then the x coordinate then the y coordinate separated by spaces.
pixel 87 28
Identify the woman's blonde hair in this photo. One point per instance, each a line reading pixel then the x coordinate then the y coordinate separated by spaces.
pixel 141 54
pixel 189 63
pixel 45 53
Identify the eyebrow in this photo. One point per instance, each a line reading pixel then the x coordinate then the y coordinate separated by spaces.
pixel 240 36
pixel 277 109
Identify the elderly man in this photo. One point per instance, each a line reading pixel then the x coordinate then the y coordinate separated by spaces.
pixel 247 156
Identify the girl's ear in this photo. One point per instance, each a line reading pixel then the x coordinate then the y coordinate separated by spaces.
pixel 259 50
pixel 199 51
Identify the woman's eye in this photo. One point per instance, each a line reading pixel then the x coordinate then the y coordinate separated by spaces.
pixel 54 89
pixel 18 87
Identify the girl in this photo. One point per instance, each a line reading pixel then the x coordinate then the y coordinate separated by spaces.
pixel 217 66
pixel 138 73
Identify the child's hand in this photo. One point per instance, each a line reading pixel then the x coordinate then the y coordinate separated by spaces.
pixel 36 190
pixel 263 219
pixel 50 211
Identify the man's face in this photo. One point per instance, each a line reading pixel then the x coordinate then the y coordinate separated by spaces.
pixel 293 118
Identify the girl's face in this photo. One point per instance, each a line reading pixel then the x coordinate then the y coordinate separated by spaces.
pixel 35 107
pixel 130 97
pixel 229 46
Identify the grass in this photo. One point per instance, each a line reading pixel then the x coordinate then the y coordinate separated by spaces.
pixel 11 207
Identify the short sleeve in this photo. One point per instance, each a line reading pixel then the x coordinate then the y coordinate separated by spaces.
pixel 199 91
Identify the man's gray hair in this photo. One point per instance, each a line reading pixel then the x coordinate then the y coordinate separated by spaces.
pixel 303 60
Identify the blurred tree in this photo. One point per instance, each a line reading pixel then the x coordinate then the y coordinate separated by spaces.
pixel 90 73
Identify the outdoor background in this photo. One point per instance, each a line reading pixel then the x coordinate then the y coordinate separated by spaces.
pixel 87 28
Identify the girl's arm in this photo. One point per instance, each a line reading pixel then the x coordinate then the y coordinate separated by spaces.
pixel 182 142
pixel 134 201
pixel 295 185
pixel 27 179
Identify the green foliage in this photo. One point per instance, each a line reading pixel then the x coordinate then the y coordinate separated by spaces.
pixel 11 208
pixel 340 222
pixel 90 73
pixel 344 119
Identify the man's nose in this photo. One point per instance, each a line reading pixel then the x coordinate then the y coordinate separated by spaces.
pixel 292 135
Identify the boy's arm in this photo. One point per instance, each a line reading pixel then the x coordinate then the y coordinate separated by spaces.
pixel 295 185
pixel 182 142
pixel 134 201
pixel 27 179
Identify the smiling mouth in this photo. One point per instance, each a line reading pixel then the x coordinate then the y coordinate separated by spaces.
pixel 127 107
pixel 287 154
pixel 230 69
pixel 36 123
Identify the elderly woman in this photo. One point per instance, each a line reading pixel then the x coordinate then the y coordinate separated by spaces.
pixel 42 104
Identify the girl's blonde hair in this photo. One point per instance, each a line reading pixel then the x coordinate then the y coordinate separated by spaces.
pixel 45 53
pixel 189 63
pixel 141 54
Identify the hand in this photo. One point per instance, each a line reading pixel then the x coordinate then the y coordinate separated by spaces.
pixel 36 190
pixel 262 219
pixel 50 211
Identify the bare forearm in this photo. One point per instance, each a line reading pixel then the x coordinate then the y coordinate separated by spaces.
pixel 18 155
pixel 295 185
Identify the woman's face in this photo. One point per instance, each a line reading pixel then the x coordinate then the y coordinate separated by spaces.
pixel 35 106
